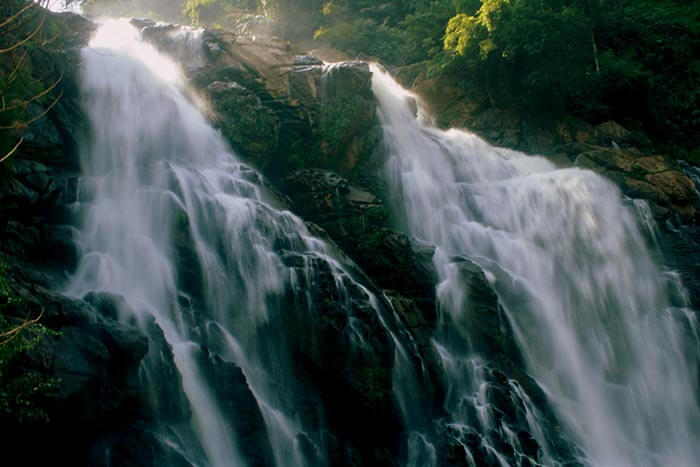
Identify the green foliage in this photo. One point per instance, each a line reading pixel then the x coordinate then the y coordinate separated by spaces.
pixel 22 392
pixel 527 51
pixel 364 29
pixel 216 12
pixel 540 55
pixel 636 62
pixel 299 156
pixel 650 68
pixel 252 127
pixel 362 36
pixel 341 117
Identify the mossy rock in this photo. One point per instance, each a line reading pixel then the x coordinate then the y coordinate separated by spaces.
pixel 250 126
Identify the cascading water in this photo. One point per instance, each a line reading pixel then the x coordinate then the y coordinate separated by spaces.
pixel 61 5
pixel 590 311
pixel 175 225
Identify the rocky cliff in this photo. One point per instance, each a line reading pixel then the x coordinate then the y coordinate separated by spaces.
pixel 607 148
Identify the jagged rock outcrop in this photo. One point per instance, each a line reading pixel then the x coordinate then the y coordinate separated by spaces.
pixel 643 176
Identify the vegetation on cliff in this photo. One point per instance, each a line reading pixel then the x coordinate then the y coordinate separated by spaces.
pixel 23 392
pixel 31 89
pixel 25 34
pixel 634 62
pixel 312 131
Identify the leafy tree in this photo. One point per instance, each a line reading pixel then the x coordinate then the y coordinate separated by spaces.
pixel 165 10
pixel 215 11
pixel 533 52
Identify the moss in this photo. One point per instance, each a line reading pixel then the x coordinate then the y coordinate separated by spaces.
pixel 341 117
pixel 249 126
pixel 186 258
pixel 376 215
pixel 300 155
pixel 374 384
pixel 374 238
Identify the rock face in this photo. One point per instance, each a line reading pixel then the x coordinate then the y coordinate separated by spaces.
pixel 92 357
pixel 646 177
pixel 100 415
pixel 313 131
pixel 279 108
pixel 607 148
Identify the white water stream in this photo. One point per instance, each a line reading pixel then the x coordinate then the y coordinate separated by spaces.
pixel 155 173
pixel 587 304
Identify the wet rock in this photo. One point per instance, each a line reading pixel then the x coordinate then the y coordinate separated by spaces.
pixel 135 445
pixel 329 55
pixel 278 107
pixel 251 127
pixel 219 88
pixel 679 188
pixel 348 77
pixel 94 360
pixel 43 134
pixel 607 148
pixel 238 405
pixel 306 60
pixel 354 218
pixel 612 132
pixel 343 351
pixel 142 22
pixel 647 177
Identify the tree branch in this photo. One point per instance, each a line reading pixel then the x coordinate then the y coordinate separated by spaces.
pixel 7 336
pixel 17 125
pixel 16 15
pixel 14 71
pixel 33 98
pixel 21 140
pixel 28 38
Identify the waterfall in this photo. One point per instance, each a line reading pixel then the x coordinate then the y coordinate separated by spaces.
pixel 209 266
pixel 590 310
pixel 240 299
